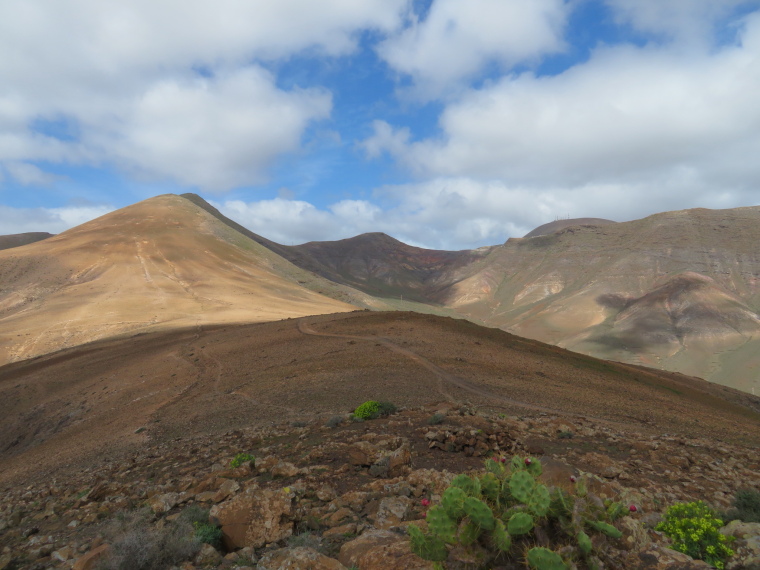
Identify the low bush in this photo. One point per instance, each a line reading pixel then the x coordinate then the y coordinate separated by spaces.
pixel 138 545
pixel 241 458
pixel 334 421
pixel 373 409
pixel 746 506
pixel 436 419
pixel 694 530
pixel 208 533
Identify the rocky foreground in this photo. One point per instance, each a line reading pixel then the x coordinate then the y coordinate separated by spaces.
pixel 337 494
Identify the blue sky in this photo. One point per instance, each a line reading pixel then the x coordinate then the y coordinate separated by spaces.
pixel 446 124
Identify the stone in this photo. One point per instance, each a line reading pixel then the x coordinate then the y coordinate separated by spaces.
pixel 657 557
pixel 255 517
pixel 381 550
pixel 228 487
pixel 62 554
pixel 163 503
pixel 90 560
pixel 746 547
pixel 635 535
pixel 392 511
pixel 363 453
pixel 284 469
pixel 342 530
pixel 400 461
pixel 208 556
pixel 5 560
pixel 298 558
pixel 740 529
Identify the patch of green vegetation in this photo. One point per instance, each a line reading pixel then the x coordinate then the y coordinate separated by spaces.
pixel 745 506
pixel 241 458
pixel 499 514
pixel 694 529
pixel 372 409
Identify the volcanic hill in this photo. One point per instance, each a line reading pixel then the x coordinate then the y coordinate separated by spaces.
pixel 162 263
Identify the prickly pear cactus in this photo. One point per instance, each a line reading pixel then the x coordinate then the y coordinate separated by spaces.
pixel 441 524
pixel 605 528
pixel 505 509
pixel 479 513
pixel 428 547
pixel 584 542
pixel 519 523
pixel 470 485
pixel 452 501
pixel 544 559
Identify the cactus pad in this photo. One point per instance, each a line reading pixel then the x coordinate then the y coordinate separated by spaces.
pixel 452 501
pixel 519 523
pixel 469 485
pixel 490 486
pixel 584 542
pixel 479 513
pixel 441 525
pixel 427 546
pixel 468 533
pixel 605 528
pixel 521 485
pixel 500 537
pixel 544 559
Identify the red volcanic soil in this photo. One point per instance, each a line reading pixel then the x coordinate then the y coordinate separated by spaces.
pixel 69 408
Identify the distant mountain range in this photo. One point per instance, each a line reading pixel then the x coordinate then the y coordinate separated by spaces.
pixel 678 290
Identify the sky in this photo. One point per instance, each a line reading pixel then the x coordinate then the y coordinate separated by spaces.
pixel 446 124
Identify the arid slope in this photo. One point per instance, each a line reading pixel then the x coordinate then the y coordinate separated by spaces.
pixel 94 399
pixel 158 264
pixel 17 240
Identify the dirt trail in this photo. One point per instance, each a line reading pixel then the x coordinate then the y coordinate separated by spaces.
pixel 442 375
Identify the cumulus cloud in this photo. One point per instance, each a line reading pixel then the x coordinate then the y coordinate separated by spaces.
pixel 151 74
pixel 628 114
pixel 52 220
pixel 28 174
pixel 457 39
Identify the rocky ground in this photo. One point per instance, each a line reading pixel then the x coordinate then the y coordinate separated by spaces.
pixel 335 493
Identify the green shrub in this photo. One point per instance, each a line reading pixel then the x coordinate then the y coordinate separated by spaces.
pixel 241 458
pixel 194 514
pixel 138 545
pixel 501 513
pixel 369 410
pixel 334 421
pixel 372 409
pixel 436 419
pixel 208 533
pixel 693 528
pixel 387 409
pixel 746 506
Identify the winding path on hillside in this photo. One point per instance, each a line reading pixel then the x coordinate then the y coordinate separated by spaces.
pixel 443 376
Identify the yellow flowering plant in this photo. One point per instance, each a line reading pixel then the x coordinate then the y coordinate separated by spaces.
pixel 694 529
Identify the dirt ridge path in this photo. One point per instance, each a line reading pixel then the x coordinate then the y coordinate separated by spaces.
pixel 442 375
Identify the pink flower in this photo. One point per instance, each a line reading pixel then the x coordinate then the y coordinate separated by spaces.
pixel 528 461
pixel 633 508
pixel 573 479
pixel 425 502
pixel 503 459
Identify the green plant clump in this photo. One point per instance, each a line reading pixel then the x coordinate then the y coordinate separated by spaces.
pixel 208 533
pixel 746 506
pixel 694 530
pixel 241 458
pixel 373 409
pixel 496 516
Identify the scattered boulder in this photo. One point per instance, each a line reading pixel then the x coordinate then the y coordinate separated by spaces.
pixel 381 550
pixel 298 558
pixel 255 517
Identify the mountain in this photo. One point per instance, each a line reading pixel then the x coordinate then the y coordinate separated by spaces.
pixel 17 240
pixel 557 225
pixel 161 263
pixel 678 290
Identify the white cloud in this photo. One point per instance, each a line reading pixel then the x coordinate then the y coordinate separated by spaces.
pixel 688 22
pixel 457 39
pixel 52 220
pixel 110 67
pixel 628 114
pixel 215 133
pixel 28 174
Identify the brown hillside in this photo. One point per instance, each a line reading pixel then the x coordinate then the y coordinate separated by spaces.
pixel 158 264
pixel 17 240
pixel 84 402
